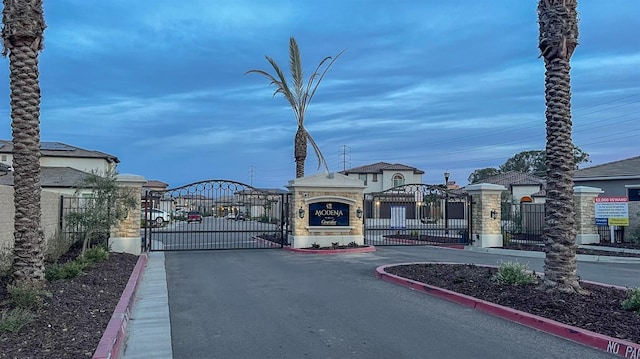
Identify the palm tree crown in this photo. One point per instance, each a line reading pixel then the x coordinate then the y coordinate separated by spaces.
pixel 299 97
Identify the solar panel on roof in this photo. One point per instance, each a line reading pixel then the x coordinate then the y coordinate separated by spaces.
pixel 55 146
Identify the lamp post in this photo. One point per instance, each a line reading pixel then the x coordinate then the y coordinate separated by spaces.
pixel 446 202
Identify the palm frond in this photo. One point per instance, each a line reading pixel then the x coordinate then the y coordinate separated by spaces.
pixel 323 73
pixel 316 149
pixel 295 64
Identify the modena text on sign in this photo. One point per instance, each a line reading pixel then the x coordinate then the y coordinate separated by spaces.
pixel 613 210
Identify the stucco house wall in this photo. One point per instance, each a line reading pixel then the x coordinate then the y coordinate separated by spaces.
pixel 50 205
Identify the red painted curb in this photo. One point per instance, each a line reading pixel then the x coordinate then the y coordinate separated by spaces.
pixel 423 243
pixel 331 251
pixel 113 336
pixel 605 343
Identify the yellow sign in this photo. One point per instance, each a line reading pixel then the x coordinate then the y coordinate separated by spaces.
pixel 619 221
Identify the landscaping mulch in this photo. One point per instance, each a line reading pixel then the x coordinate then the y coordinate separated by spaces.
pixel 70 323
pixel 600 311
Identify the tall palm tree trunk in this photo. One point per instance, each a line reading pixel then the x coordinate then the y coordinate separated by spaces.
pixel 23 22
pixel 558 21
pixel 300 150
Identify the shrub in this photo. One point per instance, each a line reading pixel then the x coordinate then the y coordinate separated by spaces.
pixel 11 320
pixel 514 273
pixel 65 271
pixel 26 296
pixel 97 254
pixel 56 247
pixel 632 303
pixel 6 260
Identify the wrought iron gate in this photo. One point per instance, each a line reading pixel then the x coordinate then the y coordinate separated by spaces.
pixel 214 214
pixel 417 214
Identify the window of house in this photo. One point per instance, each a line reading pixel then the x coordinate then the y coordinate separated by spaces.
pixel 3 158
pixel 375 177
pixel 363 177
pixel 398 180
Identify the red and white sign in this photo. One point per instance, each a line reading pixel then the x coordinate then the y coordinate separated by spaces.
pixel 611 199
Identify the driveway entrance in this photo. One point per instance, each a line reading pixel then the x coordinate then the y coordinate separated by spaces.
pixel 215 214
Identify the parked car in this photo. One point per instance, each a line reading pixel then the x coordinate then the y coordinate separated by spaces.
pixel 194 216
pixel 156 216
pixel 240 217
pixel 231 216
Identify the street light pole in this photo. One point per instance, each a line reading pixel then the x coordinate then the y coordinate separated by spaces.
pixel 446 203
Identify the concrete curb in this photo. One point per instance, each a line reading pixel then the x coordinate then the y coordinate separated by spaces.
pixel 605 343
pixel 331 251
pixel 113 336
pixel 530 254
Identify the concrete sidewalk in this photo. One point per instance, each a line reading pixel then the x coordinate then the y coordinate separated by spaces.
pixel 148 334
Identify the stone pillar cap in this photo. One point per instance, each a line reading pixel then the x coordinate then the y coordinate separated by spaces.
pixel 128 177
pixel 587 189
pixel 485 187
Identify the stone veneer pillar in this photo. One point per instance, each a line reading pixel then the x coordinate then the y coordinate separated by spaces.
pixel 485 199
pixel 125 236
pixel 585 209
pixel 332 187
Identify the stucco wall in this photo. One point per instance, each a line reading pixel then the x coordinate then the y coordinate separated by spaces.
pixel 50 203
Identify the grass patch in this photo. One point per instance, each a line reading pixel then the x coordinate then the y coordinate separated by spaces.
pixel 12 320
pixel 514 273
pixel 632 303
pixel 65 271
pixel 26 296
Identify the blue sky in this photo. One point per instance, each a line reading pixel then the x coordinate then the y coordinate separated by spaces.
pixel 441 86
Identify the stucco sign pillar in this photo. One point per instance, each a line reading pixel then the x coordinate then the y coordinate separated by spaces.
pixel 326 209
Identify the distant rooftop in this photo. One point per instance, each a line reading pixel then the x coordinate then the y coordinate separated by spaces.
pixel 379 167
pixel 629 167
pixel 513 178
pixel 59 149
pixel 60 177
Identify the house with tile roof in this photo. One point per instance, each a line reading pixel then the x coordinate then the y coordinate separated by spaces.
pixel 523 187
pixel 62 166
pixel 57 154
pixel 381 176
pixel 617 178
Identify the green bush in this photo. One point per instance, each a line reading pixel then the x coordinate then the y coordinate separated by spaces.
pixel 632 303
pixel 65 271
pixel 514 273
pixel 97 254
pixel 26 296
pixel 11 320
pixel 56 247
pixel 6 260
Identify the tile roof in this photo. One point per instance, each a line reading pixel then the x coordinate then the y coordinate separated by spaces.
pixel 59 149
pixel 513 178
pixel 155 184
pixel 65 177
pixel 378 167
pixel 626 167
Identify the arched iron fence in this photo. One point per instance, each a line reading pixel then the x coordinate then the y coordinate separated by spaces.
pixel 214 214
pixel 417 214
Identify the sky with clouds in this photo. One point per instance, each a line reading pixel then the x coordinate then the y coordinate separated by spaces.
pixel 438 85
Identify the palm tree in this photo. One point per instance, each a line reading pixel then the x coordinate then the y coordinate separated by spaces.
pixel 299 98
pixel 558 20
pixel 22 32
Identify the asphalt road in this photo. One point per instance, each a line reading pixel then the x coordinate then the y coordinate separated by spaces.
pixel 277 304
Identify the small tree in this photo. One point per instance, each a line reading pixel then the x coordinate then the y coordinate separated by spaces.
pixel 108 204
